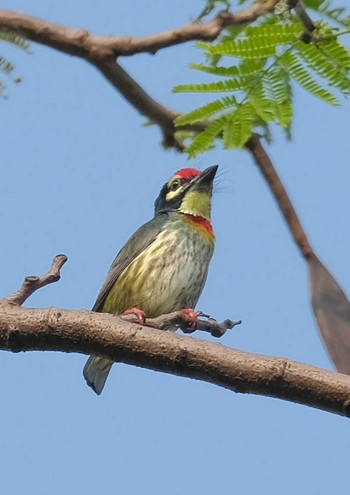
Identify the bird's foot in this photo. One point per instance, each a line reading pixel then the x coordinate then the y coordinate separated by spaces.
pixel 140 315
pixel 191 317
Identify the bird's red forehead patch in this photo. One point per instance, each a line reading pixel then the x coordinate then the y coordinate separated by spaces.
pixel 188 173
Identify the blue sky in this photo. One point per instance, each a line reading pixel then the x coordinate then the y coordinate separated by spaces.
pixel 79 174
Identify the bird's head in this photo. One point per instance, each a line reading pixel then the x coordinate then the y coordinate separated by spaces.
pixel 189 191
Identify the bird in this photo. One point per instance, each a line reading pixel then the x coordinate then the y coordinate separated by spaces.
pixel 164 265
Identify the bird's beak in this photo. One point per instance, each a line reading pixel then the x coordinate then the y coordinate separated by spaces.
pixel 204 181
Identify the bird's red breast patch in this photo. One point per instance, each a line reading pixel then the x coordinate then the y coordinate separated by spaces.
pixel 202 225
pixel 188 173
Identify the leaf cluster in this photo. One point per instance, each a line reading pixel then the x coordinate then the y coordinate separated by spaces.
pixel 6 67
pixel 256 67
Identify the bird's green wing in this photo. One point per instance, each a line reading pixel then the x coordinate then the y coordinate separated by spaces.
pixel 142 238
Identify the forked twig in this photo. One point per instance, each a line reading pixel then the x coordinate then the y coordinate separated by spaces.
pixel 32 283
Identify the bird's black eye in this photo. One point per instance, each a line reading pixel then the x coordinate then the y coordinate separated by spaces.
pixel 175 185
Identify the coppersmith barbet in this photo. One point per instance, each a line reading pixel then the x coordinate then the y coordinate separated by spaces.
pixel 163 266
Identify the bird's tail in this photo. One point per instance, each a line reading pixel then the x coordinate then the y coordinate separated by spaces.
pixel 96 371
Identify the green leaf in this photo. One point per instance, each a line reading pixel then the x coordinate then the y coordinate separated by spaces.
pixel 220 86
pixel 205 139
pixel 247 48
pixel 231 71
pixel 15 40
pixel 276 85
pixel 238 127
pixel 259 41
pixel 318 58
pixel 293 67
pixel 5 66
pixel 263 108
pixel 206 111
pixel 326 9
pixel 337 52
pixel 269 56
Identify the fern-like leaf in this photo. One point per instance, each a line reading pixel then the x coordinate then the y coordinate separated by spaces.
pixel 317 57
pixel 337 52
pixel 206 111
pixel 269 57
pixel 276 85
pixel 15 40
pixel 6 66
pixel 220 86
pixel 292 65
pixel 238 127
pixel 328 11
pixel 260 41
pixel 246 68
pixel 205 140
pixel 240 48
pixel 277 88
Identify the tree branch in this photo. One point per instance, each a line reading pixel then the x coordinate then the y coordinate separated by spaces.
pixel 268 171
pixel 305 19
pixel 137 96
pixel 81 43
pixel 177 319
pixel 23 329
pixel 87 332
pixel 33 283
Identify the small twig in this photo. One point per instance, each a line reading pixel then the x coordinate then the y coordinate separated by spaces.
pixel 215 328
pixel 309 26
pixel 177 319
pixel 32 283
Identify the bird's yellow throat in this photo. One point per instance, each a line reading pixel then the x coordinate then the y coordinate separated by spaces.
pixel 196 203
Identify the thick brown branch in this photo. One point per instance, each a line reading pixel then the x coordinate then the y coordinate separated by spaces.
pixel 94 333
pixel 33 282
pixel 81 43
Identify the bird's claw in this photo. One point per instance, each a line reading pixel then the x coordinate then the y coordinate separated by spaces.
pixel 191 319
pixel 140 315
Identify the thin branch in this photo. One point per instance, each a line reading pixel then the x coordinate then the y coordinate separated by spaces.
pixel 268 171
pixel 177 319
pixel 23 329
pixel 81 43
pixel 309 26
pixel 33 282
pixel 137 96
pixel 132 91
pixel 101 52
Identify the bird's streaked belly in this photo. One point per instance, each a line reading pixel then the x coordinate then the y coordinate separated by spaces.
pixel 169 275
